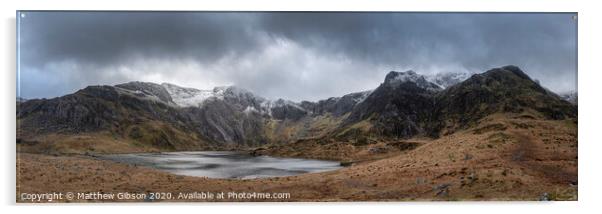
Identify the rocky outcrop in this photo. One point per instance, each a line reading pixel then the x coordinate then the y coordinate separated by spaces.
pixel 394 78
pixel 337 106
pixel 400 107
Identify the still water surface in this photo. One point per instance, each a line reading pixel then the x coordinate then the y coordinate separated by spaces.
pixel 222 164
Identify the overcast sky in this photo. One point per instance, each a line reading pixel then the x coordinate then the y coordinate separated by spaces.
pixel 296 56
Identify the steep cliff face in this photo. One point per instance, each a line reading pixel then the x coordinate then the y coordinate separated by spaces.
pixel 337 106
pixel 402 106
pixel 132 116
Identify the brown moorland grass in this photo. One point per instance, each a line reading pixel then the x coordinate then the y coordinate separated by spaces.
pixel 506 157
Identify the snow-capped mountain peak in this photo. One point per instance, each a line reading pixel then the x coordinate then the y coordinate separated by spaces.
pixel 396 78
pixel 191 97
pixel 408 76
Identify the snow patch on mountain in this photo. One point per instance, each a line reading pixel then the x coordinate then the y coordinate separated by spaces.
pixel 250 109
pixel 445 80
pixel 362 97
pixel 144 91
pixel 267 105
pixel 190 97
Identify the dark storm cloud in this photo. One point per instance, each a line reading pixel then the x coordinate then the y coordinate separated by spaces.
pixel 112 37
pixel 291 55
pixel 475 40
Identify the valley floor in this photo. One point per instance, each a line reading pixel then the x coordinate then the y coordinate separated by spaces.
pixel 504 158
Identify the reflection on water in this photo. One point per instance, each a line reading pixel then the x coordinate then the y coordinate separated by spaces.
pixel 225 164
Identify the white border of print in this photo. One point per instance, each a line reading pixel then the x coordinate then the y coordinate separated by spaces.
pixel 589 104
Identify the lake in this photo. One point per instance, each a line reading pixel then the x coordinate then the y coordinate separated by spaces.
pixel 224 164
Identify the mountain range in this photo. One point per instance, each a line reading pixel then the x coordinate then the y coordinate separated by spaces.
pixel 141 116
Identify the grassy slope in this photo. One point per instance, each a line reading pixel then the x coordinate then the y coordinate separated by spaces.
pixel 149 136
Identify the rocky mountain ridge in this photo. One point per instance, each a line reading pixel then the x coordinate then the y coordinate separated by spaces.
pixel 171 117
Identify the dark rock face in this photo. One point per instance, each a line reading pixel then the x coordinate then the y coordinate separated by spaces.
pixel 397 110
pixel 89 109
pixel 92 109
pixel 242 98
pixel 283 110
pixel 394 78
pixel 222 122
pixel 236 119
pixel 337 106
